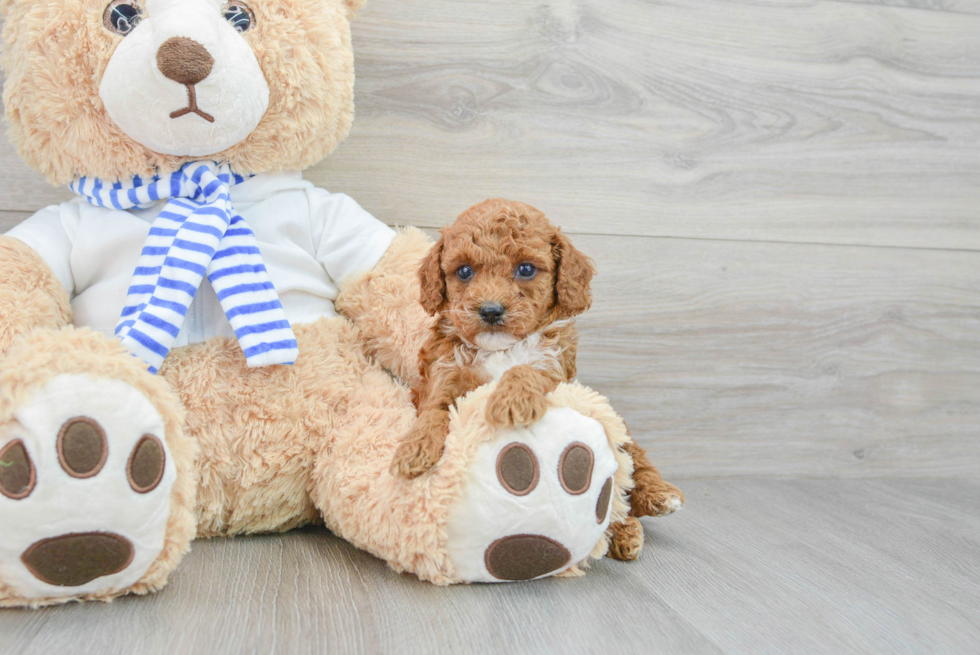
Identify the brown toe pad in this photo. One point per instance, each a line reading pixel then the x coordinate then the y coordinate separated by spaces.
pixel 82 447
pixel 525 556
pixel 575 468
pixel 602 505
pixel 517 469
pixel 146 464
pixel 72 560
pixel 17 474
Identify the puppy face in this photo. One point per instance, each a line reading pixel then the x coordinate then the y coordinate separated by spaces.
pixel 116 88
pixel 501 272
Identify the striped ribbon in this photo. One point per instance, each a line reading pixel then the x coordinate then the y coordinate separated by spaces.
pixel 198 233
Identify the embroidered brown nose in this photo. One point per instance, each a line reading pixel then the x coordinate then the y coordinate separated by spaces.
pixel 184 61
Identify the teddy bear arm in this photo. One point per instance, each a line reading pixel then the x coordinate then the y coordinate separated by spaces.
pixel 31 297
pixel 384 304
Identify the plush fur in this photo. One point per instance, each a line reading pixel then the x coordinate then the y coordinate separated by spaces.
pixel 58 122
pixel 33 298
pixel 385 303
pixel 285 446
pixel 44 354
pixel 262 429
pixel 269 449
pixel 405 521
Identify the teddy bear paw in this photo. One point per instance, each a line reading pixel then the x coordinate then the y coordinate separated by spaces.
pixel 85 480
pixel 536 500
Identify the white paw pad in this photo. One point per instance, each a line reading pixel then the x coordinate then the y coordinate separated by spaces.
pixel 536 500
pixel 85 480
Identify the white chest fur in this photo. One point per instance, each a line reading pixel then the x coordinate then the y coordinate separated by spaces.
pixel 531 351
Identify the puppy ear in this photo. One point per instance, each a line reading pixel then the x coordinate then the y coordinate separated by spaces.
pixel 572 293
pixel 432 281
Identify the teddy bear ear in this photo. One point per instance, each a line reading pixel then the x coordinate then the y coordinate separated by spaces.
pixel 351 6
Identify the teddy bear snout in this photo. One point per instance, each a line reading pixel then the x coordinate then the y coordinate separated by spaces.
pixel 184 60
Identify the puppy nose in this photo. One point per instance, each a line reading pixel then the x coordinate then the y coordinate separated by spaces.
pixel 492 312
pixel 184 61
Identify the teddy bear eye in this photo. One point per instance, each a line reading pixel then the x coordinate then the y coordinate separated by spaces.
pixel 239 15
pixel 465 272
pixel 121 16
pixel 525 271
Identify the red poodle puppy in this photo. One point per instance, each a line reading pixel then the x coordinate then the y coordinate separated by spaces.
pixel 506 285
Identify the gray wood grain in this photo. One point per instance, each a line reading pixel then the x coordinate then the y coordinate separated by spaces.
pixel 9 219
pixel 800 121
pixel 724 134
pixel 748 566
pixel 748 359
pixel 955 6
pixel 742 359
pixel 805 121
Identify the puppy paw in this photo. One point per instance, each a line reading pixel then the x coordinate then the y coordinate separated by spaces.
pixel 511 406
pixel 659 500
pixel 415 456
pixel 625 540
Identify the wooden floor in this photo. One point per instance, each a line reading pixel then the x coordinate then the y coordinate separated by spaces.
pixel 790 566
pixel 783 199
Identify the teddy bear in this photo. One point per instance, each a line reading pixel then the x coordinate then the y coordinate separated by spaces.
pixel 201 343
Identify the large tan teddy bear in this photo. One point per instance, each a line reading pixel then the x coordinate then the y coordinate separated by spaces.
pixel 202 343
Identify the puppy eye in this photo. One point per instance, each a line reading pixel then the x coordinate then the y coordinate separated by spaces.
pixel 239 15
pixel 465 272
pixel 525 271
pixel 121 16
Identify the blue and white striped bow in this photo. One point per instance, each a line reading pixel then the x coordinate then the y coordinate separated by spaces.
pixel 198 233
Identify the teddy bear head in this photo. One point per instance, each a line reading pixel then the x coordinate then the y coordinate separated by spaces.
pixel 117 88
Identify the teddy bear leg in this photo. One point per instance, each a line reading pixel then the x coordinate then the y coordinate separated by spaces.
pixel 500 505
pixel 97 481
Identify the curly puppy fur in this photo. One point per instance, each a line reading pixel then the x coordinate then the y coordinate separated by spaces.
pixel 651 496
pixel 60 127
pixel 626 539
pixel 530 349
pixel 530 346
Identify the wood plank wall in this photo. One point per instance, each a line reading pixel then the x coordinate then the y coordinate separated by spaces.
pixel 783 200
